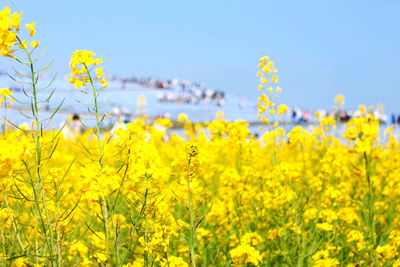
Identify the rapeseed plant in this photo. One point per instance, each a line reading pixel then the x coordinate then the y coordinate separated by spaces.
pixel 214 196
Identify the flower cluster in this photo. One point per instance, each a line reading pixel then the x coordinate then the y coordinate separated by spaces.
pixel 80 64
pixel 9 24
pixel 9 27
pixel 266 102
pixel 6 94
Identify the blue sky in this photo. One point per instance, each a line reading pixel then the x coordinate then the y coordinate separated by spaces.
pixel 321 48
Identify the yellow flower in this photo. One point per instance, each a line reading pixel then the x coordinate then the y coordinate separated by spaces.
pixel 80 62
pixel 266 69
pixel 7 52
pixel 9 23
pixel 72 80
pixel 35 43
pixel 282 109
pixel 174 262
pixel 103 82
pixel 78 83
pixel 99 72
pixel 264 59
pixel 245 253
pixel 325 227
pixel 31 27
pixel 5 94
pixel 23 45
pixel 182 118
pixel 16 20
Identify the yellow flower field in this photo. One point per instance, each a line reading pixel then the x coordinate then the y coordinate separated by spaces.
pixel 216 196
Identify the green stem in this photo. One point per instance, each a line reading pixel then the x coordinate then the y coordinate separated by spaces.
pixel 97 119
pixel 105 221
pixel 50 242
pixel 58 229
pixel 371 212
pixel 116 243
pixel 146 254
pixel 3 244
pixel 36 245
pixel 101 161
pixel 12 218
pixel 192 226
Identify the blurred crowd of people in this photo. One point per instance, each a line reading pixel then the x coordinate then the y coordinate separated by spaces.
pixel 299 115
pixel 395 118
pixel 193 95
pixel 177 91
pixel 148 82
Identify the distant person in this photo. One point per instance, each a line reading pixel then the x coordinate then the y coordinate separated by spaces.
pixel 306 116
pixel 344 117
pixel 294 114
pixel 73 127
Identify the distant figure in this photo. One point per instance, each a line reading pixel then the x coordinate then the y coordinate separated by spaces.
pixel 344 117
pixel 141 106
pixel 306 116
pixel 294 114
pixel 73 127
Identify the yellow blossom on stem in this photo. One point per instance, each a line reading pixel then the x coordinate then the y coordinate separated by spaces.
pixel 31 28
pixel 35 43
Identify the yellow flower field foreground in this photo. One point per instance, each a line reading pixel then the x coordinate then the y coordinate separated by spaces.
pixel 214 196
pixel 298 198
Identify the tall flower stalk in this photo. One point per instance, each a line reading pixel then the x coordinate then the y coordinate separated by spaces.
pixel 81 63
pixel 10 44
pixel 266 105
pixel 39 193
